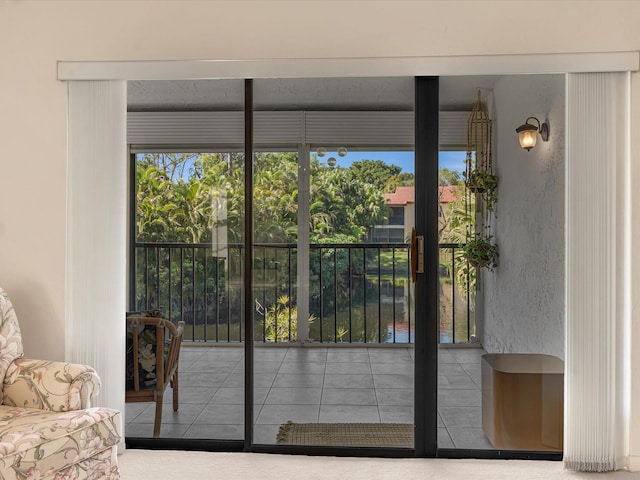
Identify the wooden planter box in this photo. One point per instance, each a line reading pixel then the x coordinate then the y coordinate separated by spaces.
pixel 523 401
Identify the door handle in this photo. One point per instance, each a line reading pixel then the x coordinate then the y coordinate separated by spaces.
pixel 417 255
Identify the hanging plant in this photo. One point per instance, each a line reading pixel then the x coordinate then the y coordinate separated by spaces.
pixel 482 182
pixel 481 252
pixel 479 178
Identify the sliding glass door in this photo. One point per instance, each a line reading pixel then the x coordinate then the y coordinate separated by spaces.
pixel 334 298
pixel 306 328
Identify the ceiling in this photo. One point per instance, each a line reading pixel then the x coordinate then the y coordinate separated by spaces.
pixel 392 93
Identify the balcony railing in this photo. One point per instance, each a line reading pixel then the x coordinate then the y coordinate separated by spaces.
pixel 358 293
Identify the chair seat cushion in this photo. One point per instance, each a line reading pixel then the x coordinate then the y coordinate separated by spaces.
pixel 44 442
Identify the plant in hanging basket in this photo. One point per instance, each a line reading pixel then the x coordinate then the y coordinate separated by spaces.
pixel 482 182
pixel 481 252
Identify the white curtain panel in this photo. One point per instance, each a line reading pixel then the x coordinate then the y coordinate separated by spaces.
pixel 97 233
pixel 597 272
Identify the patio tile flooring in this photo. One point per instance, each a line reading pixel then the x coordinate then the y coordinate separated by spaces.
pixel 313 384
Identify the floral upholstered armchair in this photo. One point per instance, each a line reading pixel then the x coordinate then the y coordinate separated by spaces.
pixel 48 430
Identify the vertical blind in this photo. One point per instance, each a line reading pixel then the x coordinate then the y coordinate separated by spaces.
pixel 96 233
pixel 597 278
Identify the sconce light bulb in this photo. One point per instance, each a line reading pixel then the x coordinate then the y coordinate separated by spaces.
pixel 528 139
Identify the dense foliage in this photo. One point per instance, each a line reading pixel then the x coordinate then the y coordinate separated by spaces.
pixel 456 229
pixel 186 197
pixel 449 177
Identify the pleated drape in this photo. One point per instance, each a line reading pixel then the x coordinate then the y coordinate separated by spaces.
pixel 597 272
pixel 96 233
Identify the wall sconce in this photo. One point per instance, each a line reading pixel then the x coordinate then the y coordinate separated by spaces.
pixel 527 133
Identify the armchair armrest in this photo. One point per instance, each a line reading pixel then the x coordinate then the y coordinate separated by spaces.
pixel 47 385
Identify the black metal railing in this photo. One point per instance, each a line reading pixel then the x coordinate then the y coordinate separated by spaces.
pixel 358 293
pixel 457 296
pixel 361 293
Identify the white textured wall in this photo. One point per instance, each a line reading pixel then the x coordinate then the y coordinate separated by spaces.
pixel 524 296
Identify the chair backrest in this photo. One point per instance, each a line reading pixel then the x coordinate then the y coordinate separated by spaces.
pixel 10 337
pixel 152 355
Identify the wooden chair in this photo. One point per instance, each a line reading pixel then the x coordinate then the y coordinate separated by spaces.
pixel 152 360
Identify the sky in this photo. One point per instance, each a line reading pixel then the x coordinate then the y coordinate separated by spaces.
pixel 453 160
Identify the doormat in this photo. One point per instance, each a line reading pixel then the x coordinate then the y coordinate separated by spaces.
pixel 389 435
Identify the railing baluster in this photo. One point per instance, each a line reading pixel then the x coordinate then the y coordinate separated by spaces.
pixel 264 295
pixel 393 289
pixel 182 284
pixel 468 300
pixel 364 293
pixel 157 302
pixel 275 299
pixel 216 295
pixel 335 294
pixel 453 298
pixel 321 286
pixel 146 279
pixel 170 286
pixel 350 297
pixel 240 302
pixel 193 291
pixel 379 299
pixel 204 294
pixel 408 300
pixel 289 282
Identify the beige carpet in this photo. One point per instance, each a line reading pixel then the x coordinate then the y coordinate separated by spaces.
pixel 393 435
pixel 177 465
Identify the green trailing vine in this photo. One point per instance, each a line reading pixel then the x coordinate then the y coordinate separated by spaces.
pixel 481 252
pixel 484 183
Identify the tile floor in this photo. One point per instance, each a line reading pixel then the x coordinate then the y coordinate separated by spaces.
pixel 314 384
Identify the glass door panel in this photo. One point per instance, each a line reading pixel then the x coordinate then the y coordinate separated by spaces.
pixel 275 306
pixel 333 301
pixel 187 264
pixel 500 370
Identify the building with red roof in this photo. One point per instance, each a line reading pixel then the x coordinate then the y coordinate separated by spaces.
pixel 402 218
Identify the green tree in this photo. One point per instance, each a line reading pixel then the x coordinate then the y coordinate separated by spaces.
pixel 373 172
pixel 400 180
pixel 176 195
pixel 449 177
pixel 456 229
pixel 275 204
pixel 343 205
pixel 154 204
